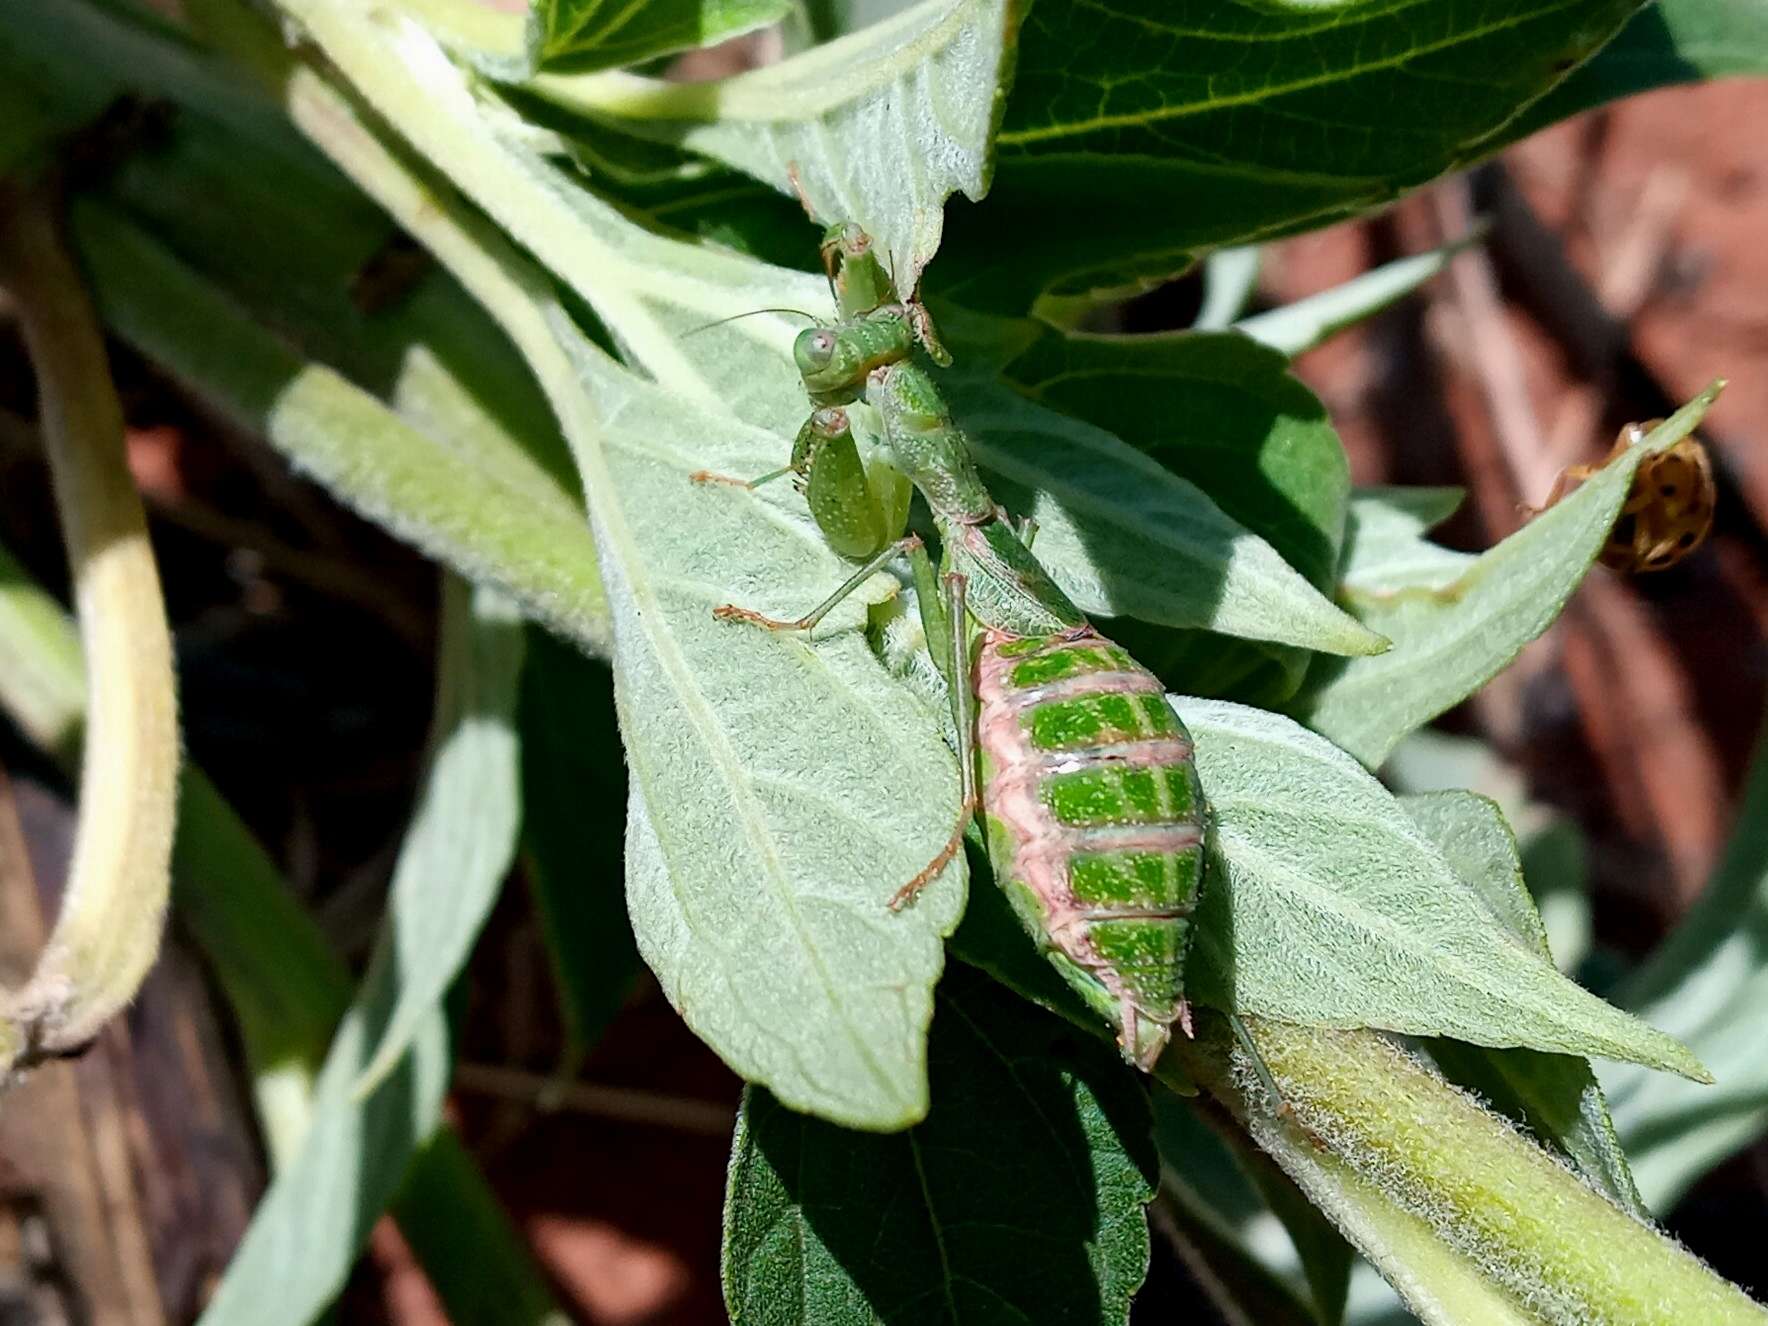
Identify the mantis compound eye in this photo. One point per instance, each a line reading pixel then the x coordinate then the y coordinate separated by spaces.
pixel 813 349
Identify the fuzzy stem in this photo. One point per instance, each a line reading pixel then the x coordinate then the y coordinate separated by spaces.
pixel 113 911
pixel 1360 1106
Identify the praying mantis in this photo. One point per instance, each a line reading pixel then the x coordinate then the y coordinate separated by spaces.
pixel 1082 771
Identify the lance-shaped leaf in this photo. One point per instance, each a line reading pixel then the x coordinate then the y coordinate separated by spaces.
pixel 1227 415
pixel 308 1230
pixel 1327 905
pixel 463 831
pixel 1555 1096
pixel 487 510
pixel 1452 633
pixel 1306 323
pixel 370 1115
pixel 1128 537
pixel 1018 1199
pixel 879 126
pixel 1141 133
pixel 1709 984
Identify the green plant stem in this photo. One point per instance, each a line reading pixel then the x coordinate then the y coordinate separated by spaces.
pixel 113 911
pixel 1360 1107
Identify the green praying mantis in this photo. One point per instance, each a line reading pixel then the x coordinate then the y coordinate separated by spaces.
pixel 1082 771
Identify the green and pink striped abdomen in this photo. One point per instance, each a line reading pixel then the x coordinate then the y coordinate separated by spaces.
pixel 1095 822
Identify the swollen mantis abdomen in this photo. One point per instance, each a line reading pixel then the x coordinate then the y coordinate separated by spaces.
pixel 1095 822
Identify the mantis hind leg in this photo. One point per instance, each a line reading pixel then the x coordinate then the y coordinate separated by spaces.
pixel 963 704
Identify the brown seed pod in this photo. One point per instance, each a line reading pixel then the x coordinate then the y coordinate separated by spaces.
pixel 1669 509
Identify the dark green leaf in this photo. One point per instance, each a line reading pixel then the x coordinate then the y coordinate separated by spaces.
pixel 1143 132
pixel 1020 1198
pixel 606 34
pixel 1672 41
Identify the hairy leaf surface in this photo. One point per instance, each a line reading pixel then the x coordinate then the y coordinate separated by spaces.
pixel 1018 1199
pixel 1555 1096
pixel 1454 633
pixel 1708 983
pixel 880 126
pixel 1128 537
pixel 371 1112
pixel 1327 905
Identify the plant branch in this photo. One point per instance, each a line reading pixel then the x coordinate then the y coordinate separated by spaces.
pixel 113 911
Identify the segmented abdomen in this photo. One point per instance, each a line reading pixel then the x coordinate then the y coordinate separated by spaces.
pixel 1095 822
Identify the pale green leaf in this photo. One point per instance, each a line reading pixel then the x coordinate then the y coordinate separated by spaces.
pixel 1384 540
pixel 1230 280
pixel 307 1232
pixel 1451 636
pixel 1019 1199
pixel 1708 984
pixel 463 830
pixel 605 34
pixel 287 992
pixel 1128 537
pixel 1554 1095
pixel 487 510
pixel 783 788
pixel 1309 322
pixel 1327 905
pixel 42 685
pixel 879 126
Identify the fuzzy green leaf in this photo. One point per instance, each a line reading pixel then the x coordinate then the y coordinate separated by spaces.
pixel 486 510
pixel 1225 414
pixel 1018 1199
pixel 783 788
pixel 308 1230
pixel 606 34
pixel 1709 984
pixel 880 126
pixel 1142 132
pixel 1126 536
pixel 1327 905
pixel 1454 633
pixel 463 829
pixel 1554 1095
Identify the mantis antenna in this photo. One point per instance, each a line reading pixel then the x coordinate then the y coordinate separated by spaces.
pixel 708 326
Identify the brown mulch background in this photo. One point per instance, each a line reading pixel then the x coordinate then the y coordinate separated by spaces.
pixel 1627 267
